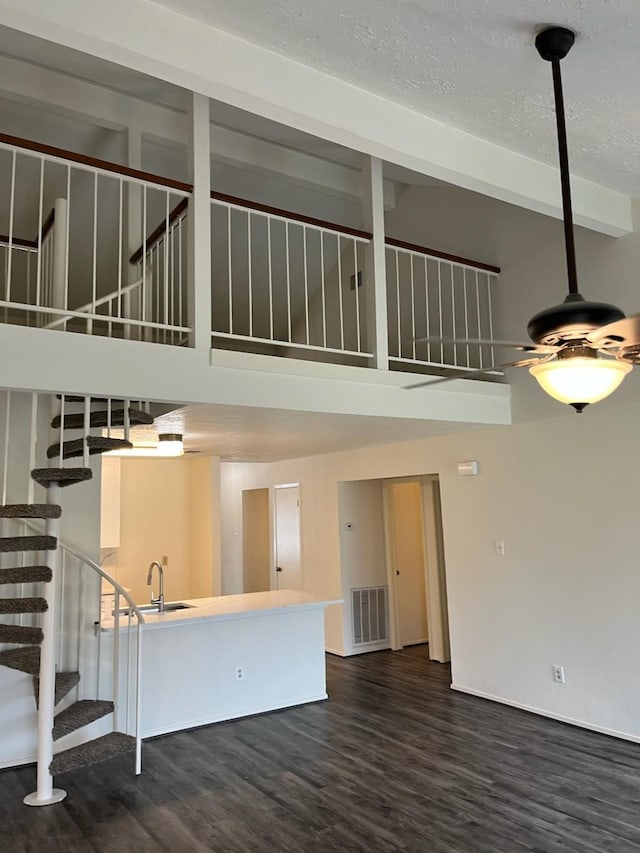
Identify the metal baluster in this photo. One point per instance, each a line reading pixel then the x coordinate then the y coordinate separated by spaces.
pixel 340 294
pixel 138 699
pixel 87 430
pixel 94 276
pixel 398 301
pixel 489 283
pixel 61 439
pixel 270 278
pixel 7 427
pixel 413 310
pixel 127 425
pixel 128 669
pixel 120 249
pixel 143 311
pixel 180 316
pixel 116 660
pixel 324 301
pixel 12 201
pixel 306 281
pixel 466 313
pixel 61 606
pixel 440 312
pixel 230 270
pixel 478 309
pixel 453 315
pixel 249 272
pixel 166 266
pixel 426 290
pixel 286 244
pixel 39 262
pixel 357 292
pixel 67 238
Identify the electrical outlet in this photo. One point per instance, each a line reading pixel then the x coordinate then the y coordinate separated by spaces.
pixel 558 674
pixel 239 673
pixel 499 547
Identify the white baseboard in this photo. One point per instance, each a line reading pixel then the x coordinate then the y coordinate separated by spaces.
pixel 603 730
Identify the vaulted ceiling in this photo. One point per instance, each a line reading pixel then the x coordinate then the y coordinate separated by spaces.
pixel 471 64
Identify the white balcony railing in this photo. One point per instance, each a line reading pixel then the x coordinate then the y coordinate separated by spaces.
pixel 287 284
pixel 431 295
pixel 88 216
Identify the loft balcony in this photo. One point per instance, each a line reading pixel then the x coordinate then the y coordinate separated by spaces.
pixel 94 249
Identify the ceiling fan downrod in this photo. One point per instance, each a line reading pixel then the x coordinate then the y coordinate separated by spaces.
pixel 576 316
pixel 554 44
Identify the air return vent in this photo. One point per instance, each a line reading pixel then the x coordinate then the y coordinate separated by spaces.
pixel 369 615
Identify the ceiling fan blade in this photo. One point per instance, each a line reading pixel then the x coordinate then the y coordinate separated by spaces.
pixel 472 374
pixel 620 332
pixel 539 348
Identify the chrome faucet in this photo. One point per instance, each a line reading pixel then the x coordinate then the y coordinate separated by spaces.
pixel 160 599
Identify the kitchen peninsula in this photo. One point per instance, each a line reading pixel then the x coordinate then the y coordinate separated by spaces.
pixel 229 656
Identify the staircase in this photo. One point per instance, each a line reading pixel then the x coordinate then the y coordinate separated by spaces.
pixel 33 646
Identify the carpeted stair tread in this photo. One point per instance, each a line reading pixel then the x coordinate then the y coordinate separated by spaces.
pixel 96 444
pixel 23 605
pixel 80 714
pixel 102 419
pixel 63 476
pixel 26 574
pixel 26 659
pixel 108 746
pixel 30 511
pixel 65 681
pixel 20 634
pixel 28 543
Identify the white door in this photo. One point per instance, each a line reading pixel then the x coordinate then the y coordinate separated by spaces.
pixel 288 563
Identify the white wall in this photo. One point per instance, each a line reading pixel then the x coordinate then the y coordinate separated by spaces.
pixel 256 540
pixel 558 488
pixel 362 546
pixel 167 509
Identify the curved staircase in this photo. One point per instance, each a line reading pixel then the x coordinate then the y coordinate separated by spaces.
pixel 34 645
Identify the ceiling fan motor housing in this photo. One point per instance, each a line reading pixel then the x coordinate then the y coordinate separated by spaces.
pixel 572 320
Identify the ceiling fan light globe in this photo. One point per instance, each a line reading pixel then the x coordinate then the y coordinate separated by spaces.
pixel 580 380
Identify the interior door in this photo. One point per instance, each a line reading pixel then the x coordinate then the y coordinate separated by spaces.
pixel 288 563
pixel 408 561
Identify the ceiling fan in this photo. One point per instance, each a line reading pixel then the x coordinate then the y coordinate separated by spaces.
pixel 581 350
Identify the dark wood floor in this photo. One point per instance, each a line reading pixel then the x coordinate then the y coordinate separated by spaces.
pixel 394 761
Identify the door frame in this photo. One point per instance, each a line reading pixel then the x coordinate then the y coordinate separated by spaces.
pixel 273 514
pixel 435 576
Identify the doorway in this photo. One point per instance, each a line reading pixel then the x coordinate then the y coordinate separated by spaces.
pixel 287 550
pixel 415 564
pixel 256 541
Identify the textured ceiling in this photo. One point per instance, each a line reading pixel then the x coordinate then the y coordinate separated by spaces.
pixel 470 63
pixel 243 434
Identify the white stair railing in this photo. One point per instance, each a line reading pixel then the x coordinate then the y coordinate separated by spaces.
pixel 81 253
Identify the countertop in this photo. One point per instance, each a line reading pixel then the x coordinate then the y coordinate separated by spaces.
pixel 225 607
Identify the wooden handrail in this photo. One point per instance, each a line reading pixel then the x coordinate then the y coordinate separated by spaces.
pixel 287 214
pixel 157 233
pixel 94 162
pixel 18 241
pixel 445 256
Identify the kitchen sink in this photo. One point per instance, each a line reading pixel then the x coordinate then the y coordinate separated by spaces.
pixel 170 607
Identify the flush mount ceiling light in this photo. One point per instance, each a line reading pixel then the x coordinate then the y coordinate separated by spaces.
pixel 582 350
pixel 168 445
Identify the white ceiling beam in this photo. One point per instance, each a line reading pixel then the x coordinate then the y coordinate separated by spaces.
pixel 81 100
pixel 164 44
